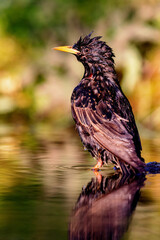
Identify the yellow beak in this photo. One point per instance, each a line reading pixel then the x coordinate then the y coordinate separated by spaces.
pixel 68 49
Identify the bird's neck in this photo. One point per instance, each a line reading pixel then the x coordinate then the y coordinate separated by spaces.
pixel 103 70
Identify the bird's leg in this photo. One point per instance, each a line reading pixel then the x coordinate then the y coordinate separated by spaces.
pixel 98 165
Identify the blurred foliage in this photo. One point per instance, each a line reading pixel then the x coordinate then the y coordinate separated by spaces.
pixel 36 83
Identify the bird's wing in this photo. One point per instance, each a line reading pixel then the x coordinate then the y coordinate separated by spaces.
pixel 111 134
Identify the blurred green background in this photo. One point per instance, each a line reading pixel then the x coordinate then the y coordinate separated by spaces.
pixel 36 82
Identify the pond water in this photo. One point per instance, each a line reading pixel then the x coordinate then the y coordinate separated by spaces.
pixel 47 190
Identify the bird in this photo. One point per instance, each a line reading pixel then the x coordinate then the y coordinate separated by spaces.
pixel 101 111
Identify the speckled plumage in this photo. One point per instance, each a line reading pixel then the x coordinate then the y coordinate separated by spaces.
pixel 102 113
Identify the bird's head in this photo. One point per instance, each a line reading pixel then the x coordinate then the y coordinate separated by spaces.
pixel 90 50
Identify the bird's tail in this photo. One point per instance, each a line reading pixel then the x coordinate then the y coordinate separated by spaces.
pixel 152 167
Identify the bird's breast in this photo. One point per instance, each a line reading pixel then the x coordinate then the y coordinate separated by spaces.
pixel 88 94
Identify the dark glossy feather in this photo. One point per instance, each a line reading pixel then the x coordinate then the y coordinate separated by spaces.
pixel 110 129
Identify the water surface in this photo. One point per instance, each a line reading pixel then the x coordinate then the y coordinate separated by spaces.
pixel 47 189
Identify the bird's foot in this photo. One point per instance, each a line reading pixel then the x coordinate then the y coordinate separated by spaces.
pixel 98 165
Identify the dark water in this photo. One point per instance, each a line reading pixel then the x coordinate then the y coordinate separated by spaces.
pixel 47 190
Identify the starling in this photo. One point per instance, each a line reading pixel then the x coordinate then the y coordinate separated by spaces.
pixel 102 113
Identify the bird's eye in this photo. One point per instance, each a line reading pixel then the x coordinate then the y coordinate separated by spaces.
pixel 86 50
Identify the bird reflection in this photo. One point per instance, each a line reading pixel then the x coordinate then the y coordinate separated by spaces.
pixel 104 207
